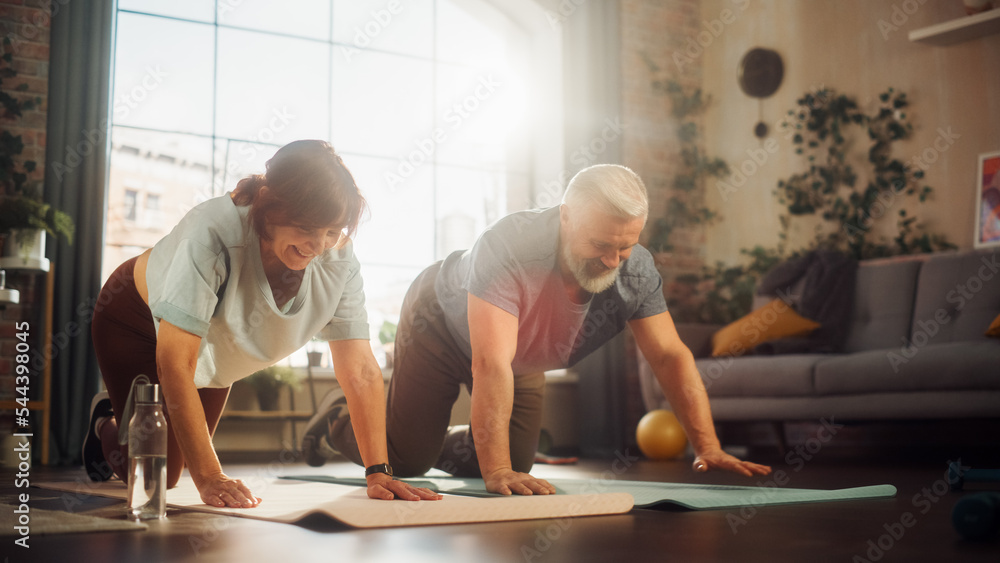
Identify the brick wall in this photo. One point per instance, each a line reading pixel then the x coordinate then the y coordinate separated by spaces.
pixel 655 44
pixel 26 24
pixel 652 32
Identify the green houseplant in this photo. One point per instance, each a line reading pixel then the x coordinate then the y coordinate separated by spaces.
pixel 269 382
pixel 824 129
pixel 685 208
pixel 22 212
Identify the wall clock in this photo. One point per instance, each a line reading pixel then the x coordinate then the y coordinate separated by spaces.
pixel 760 74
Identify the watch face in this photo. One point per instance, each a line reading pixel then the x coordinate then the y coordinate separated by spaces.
pixel 760 72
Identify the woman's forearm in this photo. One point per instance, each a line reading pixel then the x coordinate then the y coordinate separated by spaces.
pixel 176 358
pixel 360 378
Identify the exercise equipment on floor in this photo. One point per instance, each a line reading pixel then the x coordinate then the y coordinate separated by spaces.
pixel 957 477
pixel 660 435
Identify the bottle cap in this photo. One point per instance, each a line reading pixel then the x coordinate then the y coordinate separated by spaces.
pixel 147 393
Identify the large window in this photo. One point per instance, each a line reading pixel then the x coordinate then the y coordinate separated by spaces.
pixel 424 99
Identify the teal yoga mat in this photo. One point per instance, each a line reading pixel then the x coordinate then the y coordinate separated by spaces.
pixel 647 494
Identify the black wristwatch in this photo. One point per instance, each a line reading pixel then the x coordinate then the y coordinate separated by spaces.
pixel 378 468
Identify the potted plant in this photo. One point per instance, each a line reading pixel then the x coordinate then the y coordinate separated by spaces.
pixel 269 382
pixel 315 352
pixel 24 221
pixel 24 217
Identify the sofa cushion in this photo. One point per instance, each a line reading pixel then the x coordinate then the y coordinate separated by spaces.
pixel 770 322
pixel 950 366
pixel 958 296
pixel 759 376
pixel 883 304
pixel 994 329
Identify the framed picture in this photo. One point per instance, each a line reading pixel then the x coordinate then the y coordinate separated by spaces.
pixel 988 201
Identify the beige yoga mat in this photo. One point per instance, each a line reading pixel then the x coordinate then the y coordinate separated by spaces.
pixel 290 501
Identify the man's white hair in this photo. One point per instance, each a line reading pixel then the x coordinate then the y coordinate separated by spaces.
pixel 615 189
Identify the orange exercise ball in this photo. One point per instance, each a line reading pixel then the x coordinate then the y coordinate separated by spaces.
pixel 660 435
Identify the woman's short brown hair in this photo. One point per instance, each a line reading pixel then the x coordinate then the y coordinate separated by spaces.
pixel 307 186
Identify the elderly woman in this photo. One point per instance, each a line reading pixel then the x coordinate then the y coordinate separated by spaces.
pixel 241 282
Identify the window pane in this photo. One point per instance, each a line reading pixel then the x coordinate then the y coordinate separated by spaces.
pixel 301 18
pixel 239 159
pixel 155 179
pixel 478 110
pixel 201 10
pixel 272 89
pixel 163 74
pixel 382 106
pixel 385 287
pixel 398 26
pixel 399 228
pixel 471 33
pixel 468 201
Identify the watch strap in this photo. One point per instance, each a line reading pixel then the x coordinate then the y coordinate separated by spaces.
pixel 378 468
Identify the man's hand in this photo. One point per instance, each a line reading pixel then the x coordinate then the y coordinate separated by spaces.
pixel 384 487
pixel 718 459
pixel 507 481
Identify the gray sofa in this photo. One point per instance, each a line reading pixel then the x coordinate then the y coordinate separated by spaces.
pixel 915 350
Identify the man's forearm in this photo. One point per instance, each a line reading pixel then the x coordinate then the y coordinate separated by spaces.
pixel 686 392
pixel 492 400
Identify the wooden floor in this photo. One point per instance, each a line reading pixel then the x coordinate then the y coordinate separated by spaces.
pixel 842 531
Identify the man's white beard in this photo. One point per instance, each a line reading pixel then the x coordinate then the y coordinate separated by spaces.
pixel 588 281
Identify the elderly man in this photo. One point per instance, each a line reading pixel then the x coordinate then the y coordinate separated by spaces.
pixel 539 290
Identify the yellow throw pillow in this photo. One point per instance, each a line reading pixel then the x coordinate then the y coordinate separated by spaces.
pixel 994 329
pixel 770 322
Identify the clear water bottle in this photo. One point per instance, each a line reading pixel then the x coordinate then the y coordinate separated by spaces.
pixel 147 452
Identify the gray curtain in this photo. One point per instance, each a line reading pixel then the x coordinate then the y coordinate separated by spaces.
pixel 76 168
pixel 593 131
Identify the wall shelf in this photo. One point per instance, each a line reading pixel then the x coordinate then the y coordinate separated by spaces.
pixel 959 30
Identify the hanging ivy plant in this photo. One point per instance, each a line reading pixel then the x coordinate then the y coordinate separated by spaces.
pixel 820 130
pixel 685 207
pixel 824 128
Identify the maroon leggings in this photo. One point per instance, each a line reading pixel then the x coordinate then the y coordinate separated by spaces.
pixel 125 342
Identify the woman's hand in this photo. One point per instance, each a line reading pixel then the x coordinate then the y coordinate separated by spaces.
pixel 384 487
pixel 718 459
pixel 221 491
pixel 507 481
